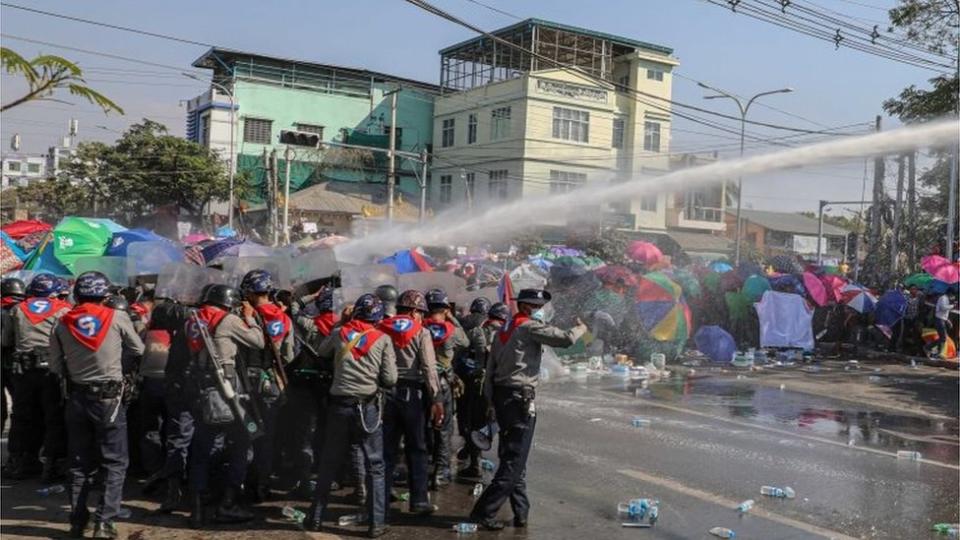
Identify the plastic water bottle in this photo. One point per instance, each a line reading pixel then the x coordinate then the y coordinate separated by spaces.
pixel 465 528
pixel 487 465
pixel 477 490
pixel 950 529
pixel 783 493
pixel 639 421
pixel 638 508
pixel 350 519
pixel 723 532
pixel 654 514
pixel 293 514
pixel 908 454
pixel 50 490
pixel 745 506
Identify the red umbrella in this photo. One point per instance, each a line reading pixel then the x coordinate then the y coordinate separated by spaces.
pixel 24 227
pixel 942 269
pixel 815 288
pixel 834 285
pixel 644 252
pixel 616 275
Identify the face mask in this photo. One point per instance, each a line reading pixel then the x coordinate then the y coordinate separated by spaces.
pixel 537 315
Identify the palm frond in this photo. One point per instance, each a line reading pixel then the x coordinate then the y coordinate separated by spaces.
pixel 13 63
pixel 56 64
pixel 94 97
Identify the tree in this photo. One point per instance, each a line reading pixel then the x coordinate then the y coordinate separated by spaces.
pixel 146 169
pixel 48 73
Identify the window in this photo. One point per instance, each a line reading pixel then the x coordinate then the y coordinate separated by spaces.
pixel 313 128
pixel 624 81
pixel 446 188
pixel 470 180
pixel 257 130
pixel 205 130
pixel 654 74
pixel 446 134
pixel 13 166
pixel 500 123
pixel 571 125
pixel 563 181
pixel 399 141
pixel 472 129
pixel 617 136
pixel 498 185
pixel 33 168
pixel 651 136
pixel 648 203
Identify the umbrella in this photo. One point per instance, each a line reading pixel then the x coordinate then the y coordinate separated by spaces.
pixel 949 350
pixel 688 282
pixel 716 343
pixel 122 240
pixel 720 267
pixel 408 261
pixel 226 232
pixel 747 269
pixel 218 248
pixel 858 298
pixel 755 286
pixel 11 256
pixel 941 269
pixel 889 310
pixel 815 288
pixel 784 264
pixel 567 267
pixel 195 238
pixel 833 284
pixel 920 279
pixel 25 227
pixel 644 252
pixel 788 283
pixel 76 237
pixel 661 309
pixel 616 275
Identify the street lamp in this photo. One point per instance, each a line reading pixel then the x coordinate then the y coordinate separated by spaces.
pixel 743 126
pixel 233 112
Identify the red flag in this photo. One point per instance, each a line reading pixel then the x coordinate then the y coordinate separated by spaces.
pixel 505 292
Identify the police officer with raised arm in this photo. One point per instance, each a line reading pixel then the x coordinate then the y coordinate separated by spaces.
pixel 86 349
pixel 512 376
pixel 364 362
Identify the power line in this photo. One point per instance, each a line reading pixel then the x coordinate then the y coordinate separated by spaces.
pixel 96 53
pixel 498 10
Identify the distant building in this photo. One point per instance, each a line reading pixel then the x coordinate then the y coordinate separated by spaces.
pixel 774 233
pixel 20 169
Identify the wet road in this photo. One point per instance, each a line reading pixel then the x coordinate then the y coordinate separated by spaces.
pixel 711 443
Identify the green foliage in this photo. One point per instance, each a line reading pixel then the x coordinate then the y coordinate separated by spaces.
pixel 48 73
pixel 851 224
pixel 146 169
pixel 529 244
pixel 609 245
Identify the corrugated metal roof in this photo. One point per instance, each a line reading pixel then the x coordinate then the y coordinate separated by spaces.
pixel 349 198
pixel 788 222
pixel 697 242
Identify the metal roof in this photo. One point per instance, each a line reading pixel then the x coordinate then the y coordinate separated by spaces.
pixel 788 222
pixel 620 40
pixel 343 197
pixel 700 242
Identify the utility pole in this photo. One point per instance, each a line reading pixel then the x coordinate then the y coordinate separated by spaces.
pixel 952 204
pixel 266 184
pixel 274 221
pixel 423 185
pixel 288 158
pixel 823 204
pixel 391 156
pixel 873 248
pixel 912 209
pixel 897 216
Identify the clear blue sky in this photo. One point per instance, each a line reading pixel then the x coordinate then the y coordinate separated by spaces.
pixel 730 51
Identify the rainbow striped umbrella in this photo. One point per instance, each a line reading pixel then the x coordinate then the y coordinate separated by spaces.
pixel 662 311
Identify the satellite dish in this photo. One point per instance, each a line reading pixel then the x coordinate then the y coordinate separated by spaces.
pixel 15 142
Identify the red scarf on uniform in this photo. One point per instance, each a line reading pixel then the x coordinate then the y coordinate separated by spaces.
pixel 507 330
pixel 8 301
pixel 38 309
pixel 402 329
pixel 370 336
pixel 275 321
pixel 440 331
pixel 89 324
pixel 209 316
pixel 325 322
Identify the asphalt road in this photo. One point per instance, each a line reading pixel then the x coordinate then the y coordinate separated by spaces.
pixel 711 443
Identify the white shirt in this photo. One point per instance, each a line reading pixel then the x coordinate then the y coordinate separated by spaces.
pixel 943 307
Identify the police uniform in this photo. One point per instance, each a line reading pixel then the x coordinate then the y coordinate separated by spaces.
pixel 448 338
pixel 86 349
pixel 37 418
pixel 406 406
pixel 364 362
pixel 12 291
pixel 228 333
pixel 472 406
pixel 512 376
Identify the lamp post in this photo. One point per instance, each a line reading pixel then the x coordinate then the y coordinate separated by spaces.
pixel 233 112
pixel 743 126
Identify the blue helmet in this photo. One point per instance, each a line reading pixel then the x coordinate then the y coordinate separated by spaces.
pixel 499 311
pixel 437 298
pixel 256 282
pixel 62 287
pixel 480 305
pixel 91 285
pixel 368 308
pixel 324 300
pixel 42 285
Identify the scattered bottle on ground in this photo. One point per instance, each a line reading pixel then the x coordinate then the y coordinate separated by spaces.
pixel 654 514
pixel 293 514
pixel 50 490
pixel 403 496
pixel 771 491
pixel 723 532
pixel 465 528
pixel 909 454
pixel 950 529
pixel 487 465
pixel 639 421
pixel 350 519
pixel 745 506
pixel 477 490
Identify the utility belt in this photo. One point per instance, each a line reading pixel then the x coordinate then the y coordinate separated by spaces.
pixel 351 401
pixel 26 361
pixel 525 395
pixel 98 390
pixel 406 389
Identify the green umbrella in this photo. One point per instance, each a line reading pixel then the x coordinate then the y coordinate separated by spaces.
pixel 920 279
pixel 76 237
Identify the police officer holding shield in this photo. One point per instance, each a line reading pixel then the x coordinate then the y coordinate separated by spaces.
pixel 512 376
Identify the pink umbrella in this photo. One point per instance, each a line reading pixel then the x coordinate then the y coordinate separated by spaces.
pixel 644 252
pixel 942 269
pixel 815 288
pixel 195 238
pixel 834 286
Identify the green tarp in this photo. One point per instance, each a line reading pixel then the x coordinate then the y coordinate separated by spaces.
pixel 303 174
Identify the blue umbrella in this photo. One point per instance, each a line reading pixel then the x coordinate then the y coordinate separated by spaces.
pixel 716 343
pixel 122 240
pixel 215 249
pixel 890 308
pixel 788 283
pixel 720 267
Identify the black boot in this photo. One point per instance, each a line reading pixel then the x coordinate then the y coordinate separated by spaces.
pixel 79 522
pixel 52 471
pixel 314 520
pixel 229 510
pixel 196 511
pixel 174 494
pixel 152 483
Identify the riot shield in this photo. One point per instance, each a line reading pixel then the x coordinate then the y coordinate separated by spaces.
pixel 278 266
pixel 151 257
pixel 184 282
pixel 115 268
pixel 358 280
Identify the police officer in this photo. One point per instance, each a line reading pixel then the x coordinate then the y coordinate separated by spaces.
pixel 417 388
pixel 364 362
pixel 37 418
pixel 85 350
pixel 12 292
pixel 228 332
pixel 263 378
pixel 448 339
pixel 512 375
pixel 388 294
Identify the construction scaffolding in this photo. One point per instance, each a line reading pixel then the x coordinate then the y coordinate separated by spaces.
pixel 482 60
